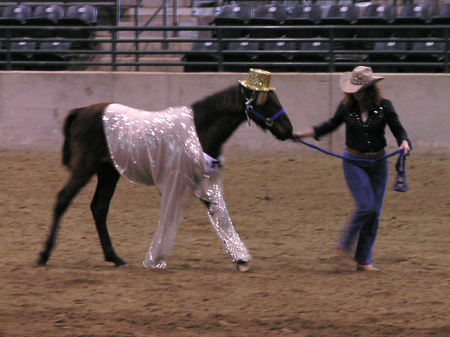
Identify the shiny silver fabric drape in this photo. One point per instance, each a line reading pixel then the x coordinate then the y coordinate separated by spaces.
pixel 162 149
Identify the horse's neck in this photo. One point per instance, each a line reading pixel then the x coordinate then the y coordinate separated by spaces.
pixel 213 135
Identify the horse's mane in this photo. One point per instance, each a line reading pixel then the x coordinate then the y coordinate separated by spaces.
pixel 229 100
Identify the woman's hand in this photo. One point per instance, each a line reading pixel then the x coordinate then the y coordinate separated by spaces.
pixel 303 134
pixel 405 147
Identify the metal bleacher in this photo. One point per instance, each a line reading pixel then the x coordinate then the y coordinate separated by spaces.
pixel 285 36
pixel 405 39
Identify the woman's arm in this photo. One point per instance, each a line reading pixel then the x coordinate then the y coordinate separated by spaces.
pixel 326 127
pixel 397 129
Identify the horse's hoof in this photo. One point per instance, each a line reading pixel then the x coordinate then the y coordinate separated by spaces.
pixel 42 259
pixel 242 266
pixel 119 262
pixel 116 260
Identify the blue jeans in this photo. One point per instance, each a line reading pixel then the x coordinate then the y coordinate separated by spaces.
pixel 367 181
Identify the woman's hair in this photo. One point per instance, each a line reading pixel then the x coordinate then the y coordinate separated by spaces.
pixel 372 98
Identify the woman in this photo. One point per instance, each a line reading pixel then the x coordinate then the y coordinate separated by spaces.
pixel 365 114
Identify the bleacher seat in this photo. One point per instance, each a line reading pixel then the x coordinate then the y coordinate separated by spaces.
pixel 443 18
pixel 341 15
pixel 303 15
pixel 389 53
pixel 45 15
pixel 233 15
pixel 376 14
pixel 426 52
pixel 347 62
pixel 268 15
pixel 273 52
pixel 240 52
pixel 202 52
pixel 314 51
pixel 414 14
pixel 79 15
pixel 2 56
pixel 53 51
pixel 14 15
pixel 22 51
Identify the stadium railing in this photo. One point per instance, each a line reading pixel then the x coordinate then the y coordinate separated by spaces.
pixel 147 53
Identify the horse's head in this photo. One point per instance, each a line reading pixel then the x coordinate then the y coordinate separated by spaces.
pixel 264 108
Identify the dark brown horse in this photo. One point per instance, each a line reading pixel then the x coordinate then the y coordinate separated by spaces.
pixel 86 151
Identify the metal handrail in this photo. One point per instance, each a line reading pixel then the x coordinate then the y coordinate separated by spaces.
pixel 116 51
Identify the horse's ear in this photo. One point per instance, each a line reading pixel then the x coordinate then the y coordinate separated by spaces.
pixel 262 97
pixel 246 91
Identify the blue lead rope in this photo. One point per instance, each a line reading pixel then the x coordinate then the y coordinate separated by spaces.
pixel 400 184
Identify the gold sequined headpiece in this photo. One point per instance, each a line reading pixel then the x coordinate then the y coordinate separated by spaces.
pixel 258 80
pixel 361 77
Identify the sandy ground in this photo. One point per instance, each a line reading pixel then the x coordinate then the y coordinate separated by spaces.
pixel 289 210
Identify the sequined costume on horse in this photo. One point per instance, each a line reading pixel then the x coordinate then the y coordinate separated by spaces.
pixel 162 149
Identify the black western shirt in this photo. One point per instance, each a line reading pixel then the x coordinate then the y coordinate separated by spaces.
pixel 368 136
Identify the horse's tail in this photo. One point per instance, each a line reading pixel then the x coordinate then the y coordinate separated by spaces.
pixel 66 150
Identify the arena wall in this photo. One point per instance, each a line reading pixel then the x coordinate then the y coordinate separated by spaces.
pixel 34 104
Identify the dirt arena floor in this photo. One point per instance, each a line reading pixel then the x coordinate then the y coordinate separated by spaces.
pixel 289 210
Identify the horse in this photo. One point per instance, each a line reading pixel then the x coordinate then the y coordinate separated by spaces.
pixel 91 148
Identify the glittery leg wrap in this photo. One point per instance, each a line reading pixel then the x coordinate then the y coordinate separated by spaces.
pixel 172 213
pixel 220 219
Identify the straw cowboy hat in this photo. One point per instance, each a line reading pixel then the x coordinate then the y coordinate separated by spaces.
pixel 258 80
pixel 361 77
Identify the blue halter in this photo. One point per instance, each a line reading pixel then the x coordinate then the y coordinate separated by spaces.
pixel 268 121
pixel 249 109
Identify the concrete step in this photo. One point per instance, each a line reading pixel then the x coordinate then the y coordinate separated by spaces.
pixel 157 46
pixel 183 14
pixel 187 16
pixel 160 68
pixel 184 3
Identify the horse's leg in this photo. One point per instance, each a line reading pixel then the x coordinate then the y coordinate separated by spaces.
pixel 106 185
pixel 221 221
pixel 83 151
pixel 174 198
pixel 76 182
